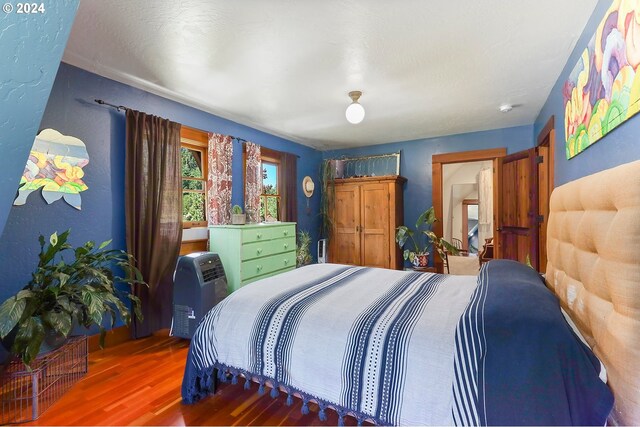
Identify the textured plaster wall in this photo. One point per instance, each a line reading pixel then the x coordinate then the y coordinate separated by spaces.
pixel 31 47
pixel 617 147
pixel 71 110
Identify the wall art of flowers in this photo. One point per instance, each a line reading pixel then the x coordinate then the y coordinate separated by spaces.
pixel 603 90
pixel 55 164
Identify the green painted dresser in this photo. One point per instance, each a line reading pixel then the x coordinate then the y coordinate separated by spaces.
pixel 254 251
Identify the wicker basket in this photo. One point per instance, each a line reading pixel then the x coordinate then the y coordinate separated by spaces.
pixel 25 394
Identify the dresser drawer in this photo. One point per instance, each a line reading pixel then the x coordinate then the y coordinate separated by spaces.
pixel 268 247
pixel 261 266
pixel 260 234
pixel 264 276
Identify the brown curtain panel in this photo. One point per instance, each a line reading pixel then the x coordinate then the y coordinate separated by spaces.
pixel 290 169
pixel 153 210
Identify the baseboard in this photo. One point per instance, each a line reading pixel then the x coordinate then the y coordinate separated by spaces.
pixel 114 336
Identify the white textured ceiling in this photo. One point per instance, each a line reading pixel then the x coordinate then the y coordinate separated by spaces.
pixel 426 68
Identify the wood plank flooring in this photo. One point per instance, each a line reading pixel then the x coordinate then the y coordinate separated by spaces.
pixel 138 383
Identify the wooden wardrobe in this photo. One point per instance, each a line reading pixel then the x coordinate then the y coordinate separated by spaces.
pixel 367 212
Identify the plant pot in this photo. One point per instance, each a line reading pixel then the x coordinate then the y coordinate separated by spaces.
pixel 238 219
pixel 421 260
pixel 52 341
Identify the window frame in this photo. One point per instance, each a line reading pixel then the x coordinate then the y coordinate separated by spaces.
pixel 196 140
pixel 273 160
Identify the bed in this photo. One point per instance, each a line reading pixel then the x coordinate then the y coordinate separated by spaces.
pixel 412 348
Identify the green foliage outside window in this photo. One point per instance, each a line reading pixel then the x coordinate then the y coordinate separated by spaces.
pixel 193 196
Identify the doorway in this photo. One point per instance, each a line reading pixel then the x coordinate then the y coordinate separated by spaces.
pixel 438 163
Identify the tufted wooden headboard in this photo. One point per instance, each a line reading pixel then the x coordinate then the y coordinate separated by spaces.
pixel 593 248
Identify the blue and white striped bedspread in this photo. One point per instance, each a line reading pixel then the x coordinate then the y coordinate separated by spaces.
pixel 387 346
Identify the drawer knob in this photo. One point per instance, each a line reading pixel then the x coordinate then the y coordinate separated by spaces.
pixel 286 245
pixel 286 261
pixel 259 267
pixel 286 232
pixel 259 235
pixel 259 251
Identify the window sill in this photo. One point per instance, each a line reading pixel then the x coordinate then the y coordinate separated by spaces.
pixel 194 233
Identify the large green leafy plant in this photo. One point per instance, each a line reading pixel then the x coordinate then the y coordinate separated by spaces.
pixel 420 247
pixel 62 293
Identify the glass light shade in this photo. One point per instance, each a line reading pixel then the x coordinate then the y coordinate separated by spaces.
pixel 354 113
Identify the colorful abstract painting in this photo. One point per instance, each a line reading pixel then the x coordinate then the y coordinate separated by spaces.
pixel 603 89
pixel 55 164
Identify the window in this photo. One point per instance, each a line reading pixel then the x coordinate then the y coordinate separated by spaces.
pixel 193 153
pixel 271 190
pixel 278 200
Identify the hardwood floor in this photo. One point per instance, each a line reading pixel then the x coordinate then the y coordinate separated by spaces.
pixel 138 383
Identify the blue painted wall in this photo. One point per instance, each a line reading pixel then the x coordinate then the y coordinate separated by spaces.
pixel 31 46
pixel 71 110
pixel 617 147
pixel 415 159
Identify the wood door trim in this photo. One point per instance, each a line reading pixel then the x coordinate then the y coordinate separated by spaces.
pixel 546 130
pixel 437 160
pixel 469 156
pixel 545 142
pixel 547 137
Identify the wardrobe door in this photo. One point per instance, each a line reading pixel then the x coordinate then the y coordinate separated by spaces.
pixel 345 239
pixel 374 228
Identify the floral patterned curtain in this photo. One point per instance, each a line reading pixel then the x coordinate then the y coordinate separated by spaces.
pixel 219 152
pixel 253 182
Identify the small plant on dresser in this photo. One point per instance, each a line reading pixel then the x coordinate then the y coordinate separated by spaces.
pixel 237 216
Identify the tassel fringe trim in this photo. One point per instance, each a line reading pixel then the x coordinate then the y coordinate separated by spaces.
pixel 203 385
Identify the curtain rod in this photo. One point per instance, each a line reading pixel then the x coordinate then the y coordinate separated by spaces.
pixel 244 140
pixel 122 107
pixel 117 107
pixel 238 139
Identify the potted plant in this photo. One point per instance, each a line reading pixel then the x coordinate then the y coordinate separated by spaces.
pixel 67 292
pixel 303 255
pixel 327 197
pixel 237 216
pixel 419 256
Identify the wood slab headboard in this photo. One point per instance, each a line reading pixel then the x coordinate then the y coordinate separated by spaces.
pixel 593 248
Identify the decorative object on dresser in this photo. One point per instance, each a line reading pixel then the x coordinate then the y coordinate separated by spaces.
pixel 254 251
pixel 237 216
pixel 366 213
pixel 419 257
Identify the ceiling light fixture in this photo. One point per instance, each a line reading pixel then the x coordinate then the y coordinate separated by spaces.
pixel 355 111
pixel 505 108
